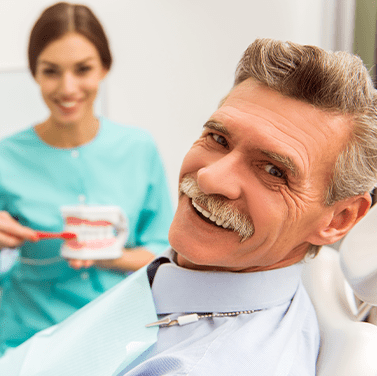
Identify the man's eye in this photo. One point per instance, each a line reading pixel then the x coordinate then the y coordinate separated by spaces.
pixel 219 139
pixel 274 171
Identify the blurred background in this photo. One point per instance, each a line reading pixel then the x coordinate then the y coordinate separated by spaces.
pixel 175 59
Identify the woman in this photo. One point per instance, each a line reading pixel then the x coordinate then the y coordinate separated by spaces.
pixel 72 158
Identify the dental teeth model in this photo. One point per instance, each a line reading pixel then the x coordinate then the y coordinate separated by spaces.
pixel 88 230
pixel 101 232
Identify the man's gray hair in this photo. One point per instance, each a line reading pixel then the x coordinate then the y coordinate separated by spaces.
pixel 333 81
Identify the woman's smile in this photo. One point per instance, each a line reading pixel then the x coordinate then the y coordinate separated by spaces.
pixel 69 71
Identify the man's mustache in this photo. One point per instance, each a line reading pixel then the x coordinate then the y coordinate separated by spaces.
pixel 219 207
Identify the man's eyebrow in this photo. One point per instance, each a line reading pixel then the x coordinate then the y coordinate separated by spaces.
pixel 284 160
pixel 216 127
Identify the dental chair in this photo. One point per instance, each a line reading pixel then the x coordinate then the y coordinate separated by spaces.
pixel 335 281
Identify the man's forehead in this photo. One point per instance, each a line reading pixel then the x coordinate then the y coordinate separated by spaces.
pixel 263 101
pixel 245 116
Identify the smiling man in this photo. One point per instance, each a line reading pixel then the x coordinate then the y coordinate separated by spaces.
pixel 268 158
pixel 284 166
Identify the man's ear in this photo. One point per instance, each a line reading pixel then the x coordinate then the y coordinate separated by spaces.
pixel 344 215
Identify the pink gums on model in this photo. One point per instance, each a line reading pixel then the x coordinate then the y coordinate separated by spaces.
pixel 91 244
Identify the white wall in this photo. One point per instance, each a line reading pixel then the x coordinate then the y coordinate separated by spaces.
pixel 175 59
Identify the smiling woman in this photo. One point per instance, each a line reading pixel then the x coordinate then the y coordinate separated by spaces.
pixel 69 71
pixel 69 56
pixel 72 158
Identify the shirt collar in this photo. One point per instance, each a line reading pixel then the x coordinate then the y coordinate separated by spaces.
pixel 177 289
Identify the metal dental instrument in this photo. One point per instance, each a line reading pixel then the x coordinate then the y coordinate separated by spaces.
pixel 193 317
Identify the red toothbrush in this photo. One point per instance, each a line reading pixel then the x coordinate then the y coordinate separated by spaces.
pixel 56 235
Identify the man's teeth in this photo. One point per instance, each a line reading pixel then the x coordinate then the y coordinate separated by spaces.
pixel 211 217
pixel 205 213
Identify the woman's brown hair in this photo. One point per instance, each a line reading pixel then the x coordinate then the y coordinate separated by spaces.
pixel 60 19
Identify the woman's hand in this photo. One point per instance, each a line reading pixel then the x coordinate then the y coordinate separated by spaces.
pixel 132 259
pixel 12 234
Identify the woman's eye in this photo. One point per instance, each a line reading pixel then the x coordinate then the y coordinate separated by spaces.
pixel 274 171
pixel 219 139
pixel 83 69
pixel 50 72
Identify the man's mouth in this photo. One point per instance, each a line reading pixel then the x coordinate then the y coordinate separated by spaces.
pixel 217 211
pixel 209 217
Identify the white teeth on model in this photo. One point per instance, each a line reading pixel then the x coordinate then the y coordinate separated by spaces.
pixel 86 232
pixel 210 216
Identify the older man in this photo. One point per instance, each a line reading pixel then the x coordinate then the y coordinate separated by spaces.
pixel 284 166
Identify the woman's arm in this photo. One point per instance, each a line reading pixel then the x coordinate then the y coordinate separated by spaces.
pixel 132 259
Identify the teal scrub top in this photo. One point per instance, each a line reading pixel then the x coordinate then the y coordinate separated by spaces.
pixel 121 166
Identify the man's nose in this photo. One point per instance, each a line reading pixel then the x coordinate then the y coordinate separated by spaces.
pixel 221 177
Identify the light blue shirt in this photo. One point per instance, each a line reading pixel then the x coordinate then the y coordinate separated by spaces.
pixel 281 338
pixel 109 336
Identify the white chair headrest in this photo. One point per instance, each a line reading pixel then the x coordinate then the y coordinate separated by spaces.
pixel 358 257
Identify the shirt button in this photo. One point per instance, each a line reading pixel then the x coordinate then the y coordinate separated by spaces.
pixel 75 153
pixel 84 275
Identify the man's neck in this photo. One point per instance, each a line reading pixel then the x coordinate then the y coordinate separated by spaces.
pixel 294 258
